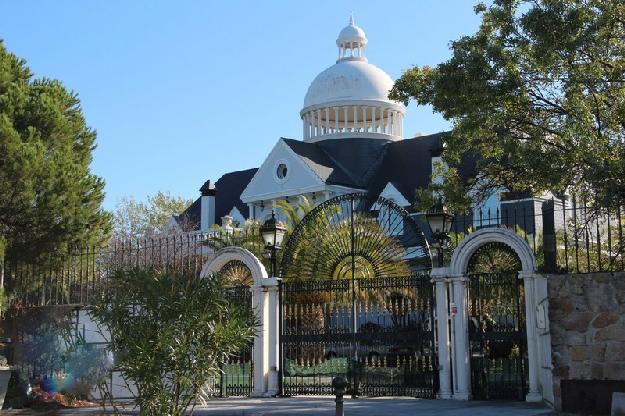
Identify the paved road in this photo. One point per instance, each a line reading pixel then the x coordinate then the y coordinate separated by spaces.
pixel 324 406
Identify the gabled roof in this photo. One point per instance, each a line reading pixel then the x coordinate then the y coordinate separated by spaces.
pixel 371 163
pixel 347 162
pixel 368 164
pixel 227 191
pixel 229 188
pixel 320 162
pixel 407 165
pixel 358 157
pixel 190 218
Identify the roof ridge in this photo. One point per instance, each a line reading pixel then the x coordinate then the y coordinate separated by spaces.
pixel 364 179
pixel 339 165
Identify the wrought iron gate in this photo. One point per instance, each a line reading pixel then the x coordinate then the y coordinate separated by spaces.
pixel 377 332
pixel 237 373
pixel 497 336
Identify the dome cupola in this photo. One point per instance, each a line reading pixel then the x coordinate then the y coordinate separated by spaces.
pixel 351 42
pixel 350 98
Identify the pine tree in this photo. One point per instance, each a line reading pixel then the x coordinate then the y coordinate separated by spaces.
pixel 49 199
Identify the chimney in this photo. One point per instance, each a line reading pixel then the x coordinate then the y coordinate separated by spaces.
pixel 207 206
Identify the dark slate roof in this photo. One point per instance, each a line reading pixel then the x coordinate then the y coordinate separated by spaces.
pixel 321 163
pixel 358 157
pixel 367 164
pixel 229 188
pixel 370 164
pixel 407 164
pixel 228 194
pixel 190 218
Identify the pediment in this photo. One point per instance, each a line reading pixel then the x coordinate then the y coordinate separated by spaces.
pixel 283 173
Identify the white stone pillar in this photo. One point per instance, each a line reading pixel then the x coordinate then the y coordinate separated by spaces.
pixel 382 121
pixel 462 373
pixel 394 123
pixel 355 129
pixel 545 365
pixel 533 394
pixel 374 125
pixel 327 127
pixel 439 278
pixel 345 113
pixel 336 119
pixel 364 119
pixel 305 127
pixel 266 341
pixel 273 336
pixel 319 131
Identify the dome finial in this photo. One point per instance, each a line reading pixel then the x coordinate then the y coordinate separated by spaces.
pixel 351 19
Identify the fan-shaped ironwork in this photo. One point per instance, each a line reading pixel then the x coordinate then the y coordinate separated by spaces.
pixel 353 235
pixel 236 273
pixel 494 257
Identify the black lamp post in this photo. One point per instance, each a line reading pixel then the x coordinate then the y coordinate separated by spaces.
pixel 272 233
pixel 440 221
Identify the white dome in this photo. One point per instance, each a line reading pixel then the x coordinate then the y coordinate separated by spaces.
pixel 351 34
pixel 349 80
pixel 350 99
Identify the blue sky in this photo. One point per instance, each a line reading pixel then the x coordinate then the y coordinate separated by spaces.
pixel 184 91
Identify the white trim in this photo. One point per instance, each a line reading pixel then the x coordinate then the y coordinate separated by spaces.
pixel 301 191
pixel 342 103
pixel 535 288
pixel 227 254
pixel 392 193
pixel 468 246
pixel 354 134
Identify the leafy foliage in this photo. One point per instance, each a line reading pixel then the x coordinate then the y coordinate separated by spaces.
pixel 133 220
pixel 49 199
pixel 170 333
pixel 539 94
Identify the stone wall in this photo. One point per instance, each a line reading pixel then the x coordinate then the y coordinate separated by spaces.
pixel 587 324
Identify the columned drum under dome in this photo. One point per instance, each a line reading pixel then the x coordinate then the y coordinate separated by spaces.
pixel 350 99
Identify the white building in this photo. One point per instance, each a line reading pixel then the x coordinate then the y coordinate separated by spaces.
pixel 352 141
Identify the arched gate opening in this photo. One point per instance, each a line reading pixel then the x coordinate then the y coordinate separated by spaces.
pixel 496 313
pixel 240 270
pixel 496 347
pixel 357 301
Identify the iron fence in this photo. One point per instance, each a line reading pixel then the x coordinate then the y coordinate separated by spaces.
pixel 378 332
pixel 74 278
pixel 566 235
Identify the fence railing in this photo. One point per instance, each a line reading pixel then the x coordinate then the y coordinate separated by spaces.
pixel 75 277
pixel 565 235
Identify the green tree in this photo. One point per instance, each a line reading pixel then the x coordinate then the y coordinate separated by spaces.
pixel 170 333
pixel 49 199
pixel 539 94
pixel 132 219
